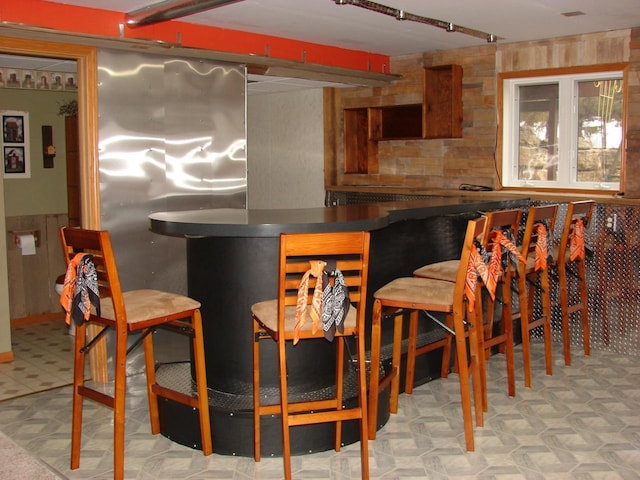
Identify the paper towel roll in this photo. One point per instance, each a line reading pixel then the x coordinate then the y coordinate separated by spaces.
pixel 27 243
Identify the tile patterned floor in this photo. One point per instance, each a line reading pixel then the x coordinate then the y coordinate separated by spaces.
pixel 581 423
pixel 43 359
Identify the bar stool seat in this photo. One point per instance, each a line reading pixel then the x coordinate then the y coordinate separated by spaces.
pixel 445 270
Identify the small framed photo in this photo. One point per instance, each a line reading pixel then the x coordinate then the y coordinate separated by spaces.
pixel 12 80
pixel 57 81
pixel 28 79
pixel 14 161
pixel 15 144
pixel 42 81
pixel 12 128
pixel 70 81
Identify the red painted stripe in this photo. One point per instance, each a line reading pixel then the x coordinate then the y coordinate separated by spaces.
pixel 73 19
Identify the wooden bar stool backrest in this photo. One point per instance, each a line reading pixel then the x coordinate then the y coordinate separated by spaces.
pixel 504 220
pixel 98 244
pixel 540 226
pixel 582 210
pixel 347 250
pixel 577 221
pixel 537 214
pixel 508 223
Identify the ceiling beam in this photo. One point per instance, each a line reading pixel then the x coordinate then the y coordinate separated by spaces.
pixel 271 66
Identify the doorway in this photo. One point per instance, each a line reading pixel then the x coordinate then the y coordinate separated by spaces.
pixel 86 58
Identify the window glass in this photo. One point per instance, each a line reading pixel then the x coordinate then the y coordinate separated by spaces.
pixel 563 131
pixel 599 131
pixel 538 132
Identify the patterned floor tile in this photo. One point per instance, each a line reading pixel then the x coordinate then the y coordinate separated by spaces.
pixel 43 359
pixel 580 423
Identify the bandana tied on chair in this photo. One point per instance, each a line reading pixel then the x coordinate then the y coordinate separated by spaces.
pixel 335 301
pixel 317 271
pixel 476 267
pixel 542 247
pixel 330 302
pixel 498 262
pixel 577 241
pixel 80 291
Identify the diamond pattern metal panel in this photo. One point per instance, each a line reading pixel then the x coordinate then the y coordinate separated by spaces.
pixel 613 273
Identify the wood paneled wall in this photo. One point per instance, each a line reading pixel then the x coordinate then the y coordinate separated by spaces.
pixel 32 277
pixel 632 179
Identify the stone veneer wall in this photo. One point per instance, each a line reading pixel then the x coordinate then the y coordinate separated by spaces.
pixel 632 179
pixel 447 163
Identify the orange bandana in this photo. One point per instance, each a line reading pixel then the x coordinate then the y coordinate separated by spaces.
pixel 577 241
pixel 476 267
pixel 316 270
pixel 542 247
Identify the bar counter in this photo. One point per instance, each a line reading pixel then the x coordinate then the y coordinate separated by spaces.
pixel 232 262
pixel 233 222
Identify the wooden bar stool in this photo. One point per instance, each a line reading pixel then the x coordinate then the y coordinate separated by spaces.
pixel 533 280
pixel 134 311
pixel 503 221
pixel 570 264
pixel 277 320
pixel 455 301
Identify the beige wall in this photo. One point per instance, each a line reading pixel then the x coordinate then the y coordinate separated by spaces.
pixel 285 150
pixel 38 203
pixel 46 191
pixel 594 49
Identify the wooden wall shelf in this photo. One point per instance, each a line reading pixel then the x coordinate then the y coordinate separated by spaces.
pixel 360 152
pixel 438 116
pixel 395 122
pixel 443 102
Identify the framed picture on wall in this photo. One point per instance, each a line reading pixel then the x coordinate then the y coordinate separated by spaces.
pixel 28 79
pixel 15 144
pixel 70 81
pixel 12 128
pixel 14 161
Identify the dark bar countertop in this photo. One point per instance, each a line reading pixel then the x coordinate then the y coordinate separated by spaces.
pixel 231 222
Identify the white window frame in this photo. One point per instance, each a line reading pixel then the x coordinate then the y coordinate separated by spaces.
pixel 567 122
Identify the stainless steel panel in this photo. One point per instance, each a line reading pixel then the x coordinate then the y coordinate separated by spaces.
pixel 172 136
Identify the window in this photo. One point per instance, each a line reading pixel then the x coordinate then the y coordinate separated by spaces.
pixel 563 131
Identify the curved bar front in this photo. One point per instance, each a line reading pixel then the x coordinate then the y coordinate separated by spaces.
pixel 232 262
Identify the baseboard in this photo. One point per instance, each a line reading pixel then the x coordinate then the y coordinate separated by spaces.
pixel 6 357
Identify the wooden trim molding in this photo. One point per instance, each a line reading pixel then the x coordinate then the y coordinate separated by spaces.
pixel 6 357
pixel 87 64
pixel 87 73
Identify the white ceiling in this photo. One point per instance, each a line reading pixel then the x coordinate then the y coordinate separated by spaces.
pixel 352 27
pixel 348 26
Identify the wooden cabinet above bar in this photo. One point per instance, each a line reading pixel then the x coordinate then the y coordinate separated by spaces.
pixel 438 116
